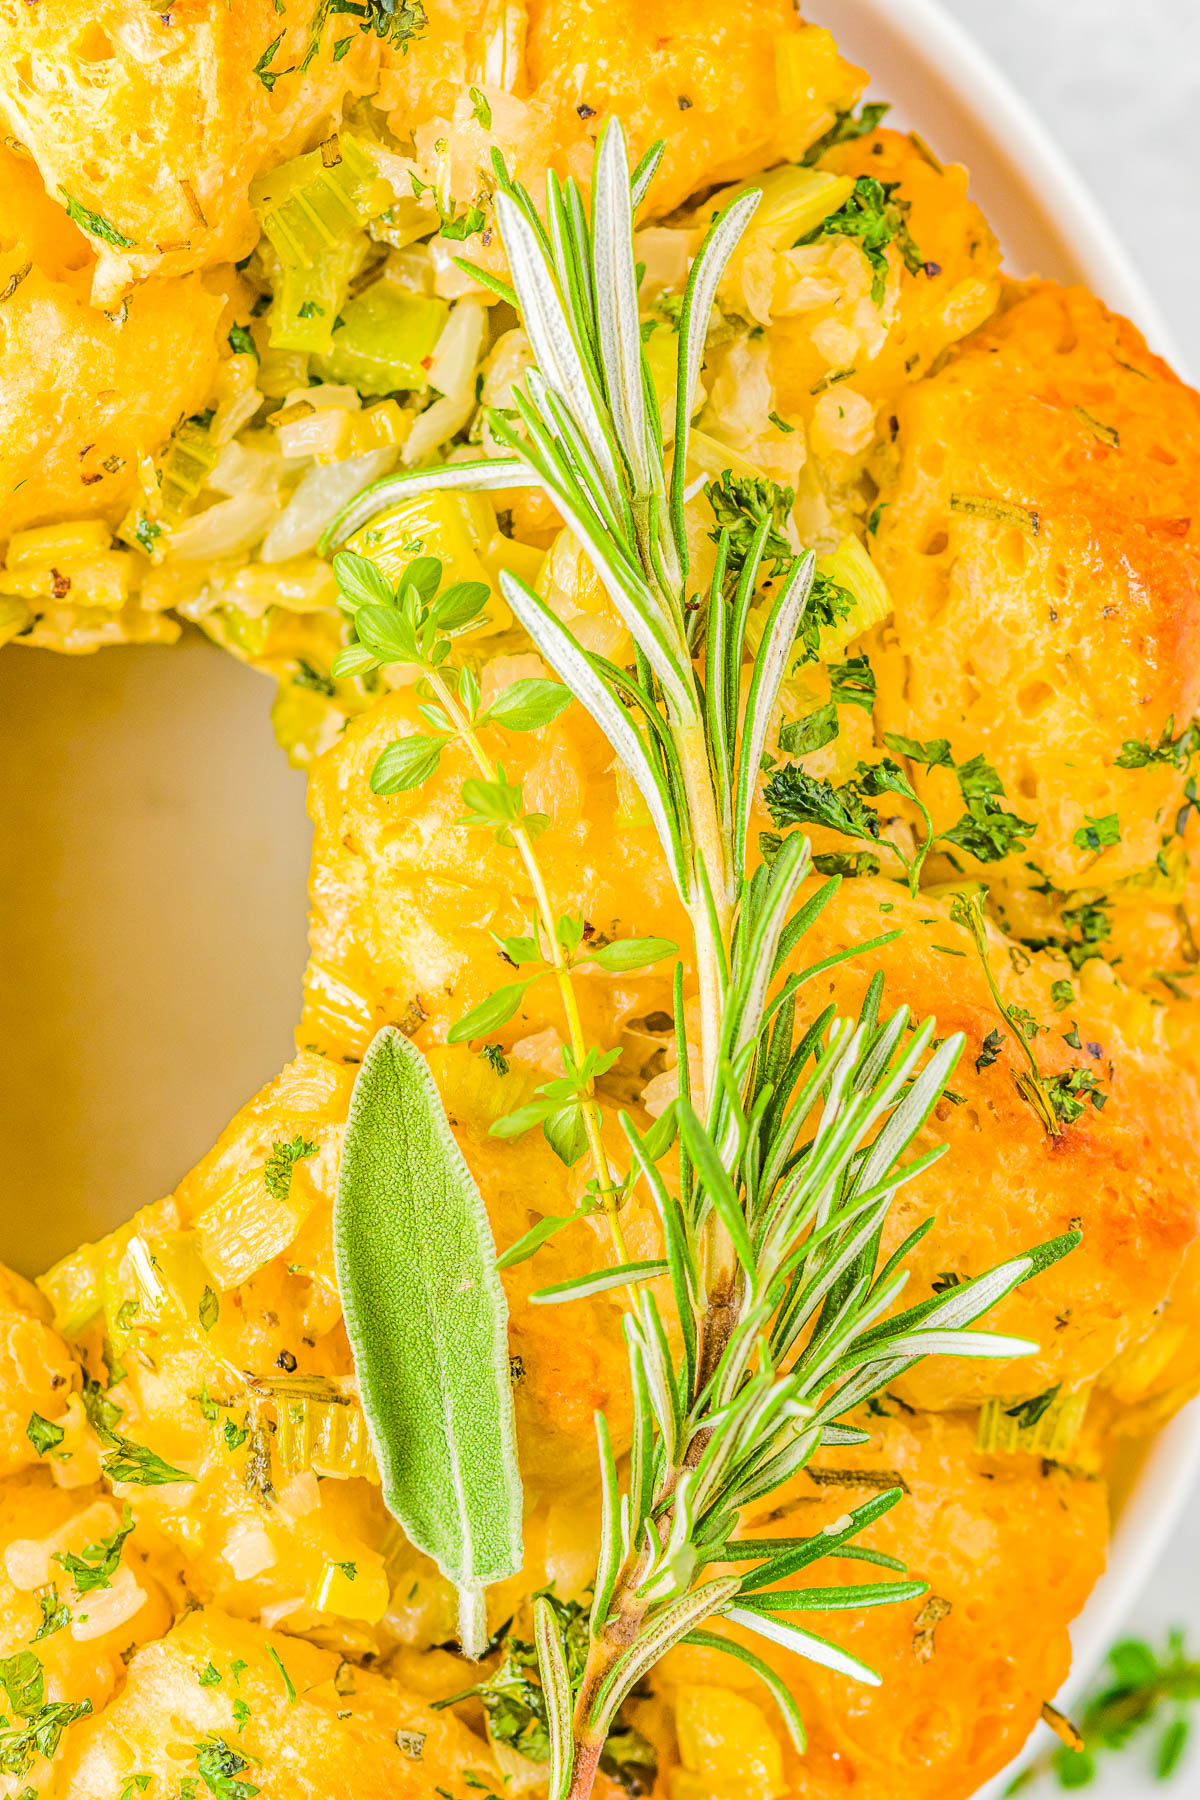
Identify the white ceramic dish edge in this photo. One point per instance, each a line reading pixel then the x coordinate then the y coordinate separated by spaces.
pixel 941 82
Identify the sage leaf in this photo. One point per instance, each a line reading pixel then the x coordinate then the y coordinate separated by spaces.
pixel 406 764
pixel 624 954
pixel 530 703
pixel 427 1322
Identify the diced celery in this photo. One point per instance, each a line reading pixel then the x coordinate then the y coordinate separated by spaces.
pixel 316 201
pixel 1052 1432
pixel 384 341
pixel 502 552
pixel 404 222
pixel 794 202
pixel 170 1274
pixel 851 568
pixel 179 474
pixel 97 581
pixel 309 299
pixel 72 1287
pixel 281 372
pixel 333 433
pixel 452 527
pixel 356 1589
pixel 190 458
pixel 54 544
pixel 319 1427
pixel 708 457
pixel 243 1230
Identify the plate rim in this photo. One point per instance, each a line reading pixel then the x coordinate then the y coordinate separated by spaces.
pixel 940 43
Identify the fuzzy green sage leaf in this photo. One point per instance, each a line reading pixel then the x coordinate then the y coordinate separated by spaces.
pixel 427 1322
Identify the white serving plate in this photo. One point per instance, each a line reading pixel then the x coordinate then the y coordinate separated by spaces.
pixel 940 82
pixel 153 844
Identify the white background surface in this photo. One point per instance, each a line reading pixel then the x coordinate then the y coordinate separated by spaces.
pixel 1118 83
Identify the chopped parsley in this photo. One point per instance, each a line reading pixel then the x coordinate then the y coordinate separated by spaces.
pixel 209 1676
pixel 1097 834
pixel 56 1614
pixel 241 342
pixel 277 1170
pixel 42 1434
pixel 95 224
pixel 741 504
pixel 494 1054
pixel 219 1765
pixel 263 69
pixel 875 219
pixel 289 1685
pixel 459 226
pixel 1178 751
pixel 480 108
pixel 1030 1412
pixel 512 1696
pixel 989 1051
pixel 209 1309
pixel 845 129
pixel 1069 1093
pixel 36 1725
pixel 398 21
pixel 141 1467
pixel 95 1566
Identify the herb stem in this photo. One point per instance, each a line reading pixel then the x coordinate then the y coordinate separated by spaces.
pixel 593 1124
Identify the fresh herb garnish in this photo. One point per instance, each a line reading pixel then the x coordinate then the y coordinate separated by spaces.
pixel 43 1434
pixel 219 1765
pixel 96 1565
pixel 874 218
pixel 846 128
pixel 36 1725
pixel 741 505
pixel 95 224
pixel 1144 1688
pixel 738 1217
pixel 277 1170
pixel 56 1614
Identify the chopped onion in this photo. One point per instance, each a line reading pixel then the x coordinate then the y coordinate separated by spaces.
pixel 229 528
pixel 454 361
pixel 321 494
pixel 240 470
pixel 301 1496
pixel 107 1608
pixel 436 425
pixel 248 1551
pixel 29 1561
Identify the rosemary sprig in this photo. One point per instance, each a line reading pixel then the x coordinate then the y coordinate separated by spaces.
pixel 789 1148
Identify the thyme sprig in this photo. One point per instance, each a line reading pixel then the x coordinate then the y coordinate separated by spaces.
pixel 414 625
pixel 789 1144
